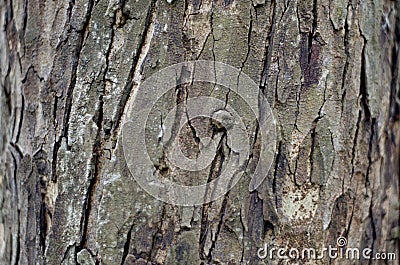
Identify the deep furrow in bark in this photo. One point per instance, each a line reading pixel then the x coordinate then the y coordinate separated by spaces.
pixel 135 67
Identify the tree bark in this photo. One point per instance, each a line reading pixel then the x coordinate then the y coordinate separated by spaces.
pixel 330 72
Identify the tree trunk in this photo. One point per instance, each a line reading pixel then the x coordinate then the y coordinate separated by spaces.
pixel 70 69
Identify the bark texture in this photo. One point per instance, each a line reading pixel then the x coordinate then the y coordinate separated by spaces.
pixel 330 71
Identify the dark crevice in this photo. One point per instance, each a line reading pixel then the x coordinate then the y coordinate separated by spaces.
pixel 354 148
pixel 127 244
pixel 370 148
pixel 277 81
pixel 203 230
pixel 215 170
pixel 394 110
pixel 21 117
pixel 243 234
pixel 267 226
pixel 203 47
pixel 192 129
pixel 254 153
pixel 69 12
pixel 122 4
pixel 42 225
pixel 18 250
pixel 330 18
pixel 35 74
pixel 313 146
pixel 245 59
pixel 24 24
pixel 7 91
pixel 395 98
pixel 185 18
pixel 346 65
pixel 373 227
pixel 134 67
pixel 276 168
pixel 285 9
pixel 17 148
pixel 268 48
pixel 248 45
pixel 181 97
pixel 213 36
pixel 97 148
pixel 363 85
pixel 57 144
pixel 314 28
pixel 88 205
pixel 221 221
pixel 41 169
pixel 157 233
pixel 314 134
pixel 66 253
pixel 69 92
pixel 15 178
pixel 347 231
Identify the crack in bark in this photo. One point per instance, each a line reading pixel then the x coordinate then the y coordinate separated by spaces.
pixel 363 94
pixel 314 134
pixel 44 215
pixel 221 214
pixel 347 231
pixel 24 23
pixel 18 250
pixel 363 84
pixel 276 167
pixel 314 28
pixel 268 48
pixel 127 244
pixel 243 234
pixel 373 226
pixel 135 67
pixel 66 253
pixel 354 147
pixel 97 148
pixel 346 65
pixel 370 147
pixel 78 52
pixel 395 99
pixel 158 231
pixel 70 89
pixel 21 118
pixel 215 170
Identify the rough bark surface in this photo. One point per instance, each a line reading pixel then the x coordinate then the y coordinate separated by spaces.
pixel 330 71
